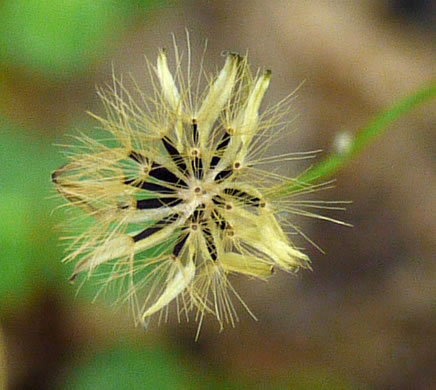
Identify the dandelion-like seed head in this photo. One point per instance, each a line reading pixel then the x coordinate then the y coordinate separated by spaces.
pixel 175 193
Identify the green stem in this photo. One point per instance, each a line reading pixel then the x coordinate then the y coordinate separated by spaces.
pixel 335 161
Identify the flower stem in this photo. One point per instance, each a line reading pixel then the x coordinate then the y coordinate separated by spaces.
pixel 335 161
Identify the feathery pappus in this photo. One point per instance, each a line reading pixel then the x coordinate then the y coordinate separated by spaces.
pixel 175 193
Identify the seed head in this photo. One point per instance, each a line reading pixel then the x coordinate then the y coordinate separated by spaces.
pixel 174 192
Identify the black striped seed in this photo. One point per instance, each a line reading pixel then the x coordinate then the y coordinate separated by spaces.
pixel 195 131
pixel 222 144
pixel 163 174
pixel 211 248
pixel 138 157
pixel 218 201
pixel 174 154
pixel 223 175
pixel 253 200
pixel 225 139
pixel 179 246
pixel 220 222
pixel 197 167
pixel 155 228
pixel 152 187
pixel 155 203
pixel 197 215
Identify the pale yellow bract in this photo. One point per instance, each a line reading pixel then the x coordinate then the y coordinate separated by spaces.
pixel 175 195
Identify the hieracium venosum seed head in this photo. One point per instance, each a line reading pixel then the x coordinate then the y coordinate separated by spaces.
pixel 175 193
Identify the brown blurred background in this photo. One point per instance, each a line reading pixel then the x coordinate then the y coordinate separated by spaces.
pixel 365 318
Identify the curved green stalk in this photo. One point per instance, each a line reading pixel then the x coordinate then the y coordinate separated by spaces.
pixel 335 161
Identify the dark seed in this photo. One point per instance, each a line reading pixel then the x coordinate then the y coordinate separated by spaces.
pixel 217 200
pixel 179 246
pixel 174 154
pixel 225 139
pixel 222 144
pixel 197 167
pixel 220 222
pixel 211 248
pixel 155 203
pixel 155 228
pixel 161 173
pixel 54 176
pixel 153 187
pixel 253 200
pixel 197 214
pixel 138 157
pixel 223 175
pixel 195 131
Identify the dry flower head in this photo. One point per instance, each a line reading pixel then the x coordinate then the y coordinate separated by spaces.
pixel 175 193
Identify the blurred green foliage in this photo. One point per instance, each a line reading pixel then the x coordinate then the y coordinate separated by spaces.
pixel 28 243
pixel 60 38
pixel 132 367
